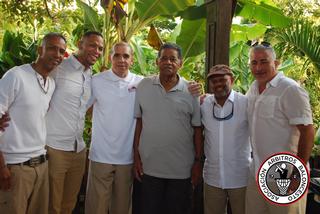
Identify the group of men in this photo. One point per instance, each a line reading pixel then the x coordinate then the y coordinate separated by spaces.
pixel 153 126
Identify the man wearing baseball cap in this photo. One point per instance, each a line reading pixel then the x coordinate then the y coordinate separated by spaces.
pixel 226 144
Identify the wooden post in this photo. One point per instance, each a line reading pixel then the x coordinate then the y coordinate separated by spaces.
pixel 219 19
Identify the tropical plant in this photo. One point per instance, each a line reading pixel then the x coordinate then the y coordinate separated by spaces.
pixel 302 38
pixel 17 49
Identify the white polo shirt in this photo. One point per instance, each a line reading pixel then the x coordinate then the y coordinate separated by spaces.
pixel 113 122
pixel 22 95
pixel 66 116
pixel 226 144
pixel 273 116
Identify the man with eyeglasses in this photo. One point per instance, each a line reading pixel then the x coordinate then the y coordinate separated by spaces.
pixel 280 120
pixel 25 94
pixel 167 142
pixel 226 144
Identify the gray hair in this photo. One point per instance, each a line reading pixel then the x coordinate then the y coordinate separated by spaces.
pixel 262 47
pixel 121 44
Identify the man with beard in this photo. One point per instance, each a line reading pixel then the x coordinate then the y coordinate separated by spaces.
pixel 25 94
pixel 65 123
pixel 226 144
pixel 167 142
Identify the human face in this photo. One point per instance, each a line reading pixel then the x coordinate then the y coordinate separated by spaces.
pixel 90 49
pixel 263 66
pixel 121 60
pixel 220 85
pixel 169 62
pixel 51 53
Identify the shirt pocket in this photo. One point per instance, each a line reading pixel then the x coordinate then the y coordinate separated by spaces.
pixel 267 107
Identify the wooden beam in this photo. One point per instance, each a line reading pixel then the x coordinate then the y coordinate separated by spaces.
pixel 219 20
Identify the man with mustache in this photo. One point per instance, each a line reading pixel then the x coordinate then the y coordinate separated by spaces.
pixel 25 94
pixel 65 123
pixel 226 144
pixel 167 142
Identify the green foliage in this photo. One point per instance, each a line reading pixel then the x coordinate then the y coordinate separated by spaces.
pixel 16 50
pixel 239 64
pixel 91 20
pixel 194 43
pixel 148 9
pixel 302 38
pixel 262 11
pixel 245 32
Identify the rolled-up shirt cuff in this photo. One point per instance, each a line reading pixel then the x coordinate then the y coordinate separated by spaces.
pixel 301 120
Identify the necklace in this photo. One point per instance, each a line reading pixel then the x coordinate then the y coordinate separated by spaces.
pixel 39 78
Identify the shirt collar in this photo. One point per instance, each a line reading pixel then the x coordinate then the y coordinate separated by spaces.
pixel 113 77
pixel 272 83
pixel 275 81
pixel 77 65
pixel 178 87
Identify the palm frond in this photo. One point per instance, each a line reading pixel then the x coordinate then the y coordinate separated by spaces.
pixel 301 38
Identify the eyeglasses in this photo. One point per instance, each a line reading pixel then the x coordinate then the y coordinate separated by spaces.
pixel 228 117
pixel 256 43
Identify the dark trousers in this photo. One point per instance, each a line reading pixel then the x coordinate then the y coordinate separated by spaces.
pixel 166 196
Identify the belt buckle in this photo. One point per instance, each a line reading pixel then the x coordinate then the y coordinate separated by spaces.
pixel 34 161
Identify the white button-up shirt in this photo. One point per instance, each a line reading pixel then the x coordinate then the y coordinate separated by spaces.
pixel 113 121
pixel 226 145
pixel 66 116
pixel 273 116
pixel 22 95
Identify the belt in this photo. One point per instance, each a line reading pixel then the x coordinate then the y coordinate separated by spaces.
pixel 33 162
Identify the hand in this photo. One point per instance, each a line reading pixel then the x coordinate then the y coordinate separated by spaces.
pixel 4 121
pixel 202 97
pixel 5 178
pixel 196 173
pixel 138 170
pixel 195 89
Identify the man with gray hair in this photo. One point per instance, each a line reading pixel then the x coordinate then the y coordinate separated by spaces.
pixel 111 154
pixel 280 120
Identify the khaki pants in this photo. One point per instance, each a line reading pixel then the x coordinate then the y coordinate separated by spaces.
pixel 66 170
pixel 109 188
pixel 215 200
pixel 255 203
pixel 29 193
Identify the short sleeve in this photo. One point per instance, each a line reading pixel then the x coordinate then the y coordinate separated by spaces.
pixel 92 98
pixel 296 106
pixel 137 107
pixel 196 115
pixel 9 86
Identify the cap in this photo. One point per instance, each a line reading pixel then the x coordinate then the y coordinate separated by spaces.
pixel 219 70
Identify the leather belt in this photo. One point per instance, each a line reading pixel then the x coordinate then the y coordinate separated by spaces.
pixel 33 162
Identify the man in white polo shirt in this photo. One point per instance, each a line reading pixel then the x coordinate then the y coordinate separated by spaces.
pixel 25 93
pixel 226 144
pixel 65 123
pixel 280 120
pixel 111 152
